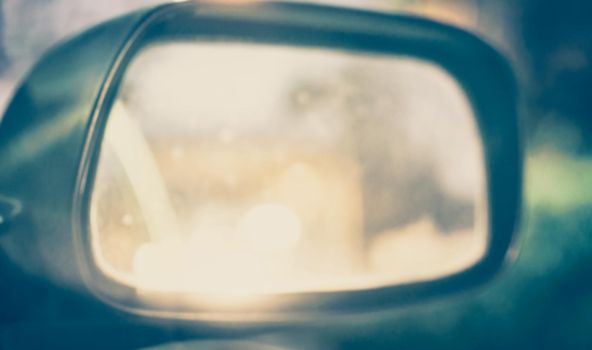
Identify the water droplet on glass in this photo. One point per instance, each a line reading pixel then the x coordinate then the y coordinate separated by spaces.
pixel 127 220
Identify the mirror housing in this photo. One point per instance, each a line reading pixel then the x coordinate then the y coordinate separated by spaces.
pixel 51 133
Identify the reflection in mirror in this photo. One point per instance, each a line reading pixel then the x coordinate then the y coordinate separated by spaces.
pixel 253 169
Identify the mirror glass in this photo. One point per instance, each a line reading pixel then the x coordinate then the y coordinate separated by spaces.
pixel 242 168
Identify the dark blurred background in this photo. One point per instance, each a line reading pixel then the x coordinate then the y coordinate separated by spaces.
pixel 544 299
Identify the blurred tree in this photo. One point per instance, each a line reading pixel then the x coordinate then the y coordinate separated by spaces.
pixel 559 52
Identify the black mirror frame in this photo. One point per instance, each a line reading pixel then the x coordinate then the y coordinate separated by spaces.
pixel 482 72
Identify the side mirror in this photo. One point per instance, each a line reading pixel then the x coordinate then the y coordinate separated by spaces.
pixel 269 160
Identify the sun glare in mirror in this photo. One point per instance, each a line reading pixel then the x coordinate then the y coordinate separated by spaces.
pixel 248 169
